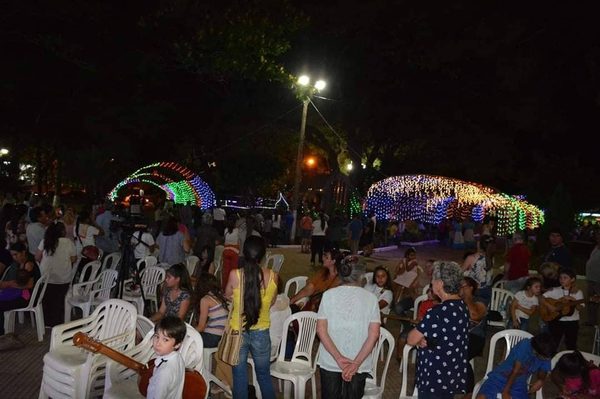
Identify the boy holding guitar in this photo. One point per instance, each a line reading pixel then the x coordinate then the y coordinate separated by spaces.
pixel 560 306
pixel 169 367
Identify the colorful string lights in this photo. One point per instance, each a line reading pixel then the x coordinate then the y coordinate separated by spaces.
pixel 180 184
pixel 431 199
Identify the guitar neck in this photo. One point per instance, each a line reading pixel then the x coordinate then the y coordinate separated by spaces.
pixel 82 340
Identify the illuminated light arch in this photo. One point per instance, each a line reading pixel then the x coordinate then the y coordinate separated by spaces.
pixel 431 199
pixel 180 184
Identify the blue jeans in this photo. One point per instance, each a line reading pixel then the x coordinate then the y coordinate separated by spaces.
pixel 258 343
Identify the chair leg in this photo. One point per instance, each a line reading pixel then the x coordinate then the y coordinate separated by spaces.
pixel 67 311
pixel 299 389
pixel 9 322
pixel 287 389
pixel 85 309
pixel 21 318
pixel 313 383
pixel 39 323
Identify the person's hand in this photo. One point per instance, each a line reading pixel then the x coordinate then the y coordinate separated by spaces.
pixel 349 371
pixel 343 362
pixel 516 322
pixel 422 343
pixel 536 386
pixel 506 395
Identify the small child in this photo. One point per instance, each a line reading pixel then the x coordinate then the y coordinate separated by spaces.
pixel 381 286
pixel 575 377
pixel 529 356
pixel 169 368
pixel 525 303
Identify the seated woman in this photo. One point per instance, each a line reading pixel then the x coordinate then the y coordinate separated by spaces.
pixel 381 286
pixel 177 293
pixel 23 263
pixel 212 310
pixel 325 278
pixel 477 324
pixel 404 284
pixel 575 377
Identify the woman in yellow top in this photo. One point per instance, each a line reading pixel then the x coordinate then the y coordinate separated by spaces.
pixel 260 291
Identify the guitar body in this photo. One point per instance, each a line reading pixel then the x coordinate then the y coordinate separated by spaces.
pixel 563 307
pixel 194 386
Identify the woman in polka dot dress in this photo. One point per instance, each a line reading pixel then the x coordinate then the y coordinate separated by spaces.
pixel 442 338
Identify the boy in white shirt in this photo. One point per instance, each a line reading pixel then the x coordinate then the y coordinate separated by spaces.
pixel 169 368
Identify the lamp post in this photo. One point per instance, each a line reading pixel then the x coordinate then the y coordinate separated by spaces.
pixel 305 92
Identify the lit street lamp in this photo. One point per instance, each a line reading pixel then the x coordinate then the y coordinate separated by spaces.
pixel 305 92
pixel 3 151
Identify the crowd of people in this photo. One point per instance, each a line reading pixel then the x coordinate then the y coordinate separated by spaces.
pixel 450 329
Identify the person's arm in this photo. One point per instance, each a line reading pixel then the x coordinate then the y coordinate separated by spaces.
pixel 161 312
pixel 329 345
pixel 183 308
pixel 308 290
pixel 529 311
pixel 478 312
pixel 468 263
pixel 557 378
pixel 351 369
pixel 203 316
pixel 38 256
pixel 538 383
pixel 231 283
pixel 514 305
pixel 511 379
pixel 416 338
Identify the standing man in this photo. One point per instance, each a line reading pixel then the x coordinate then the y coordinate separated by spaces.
pixel 592 273
pixel 219 215
pixel 516 270
pixel 558 253
pixel 355 229
pixel 40 219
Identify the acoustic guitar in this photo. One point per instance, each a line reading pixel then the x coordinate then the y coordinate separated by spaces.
pixel 563 307
pixel 194 385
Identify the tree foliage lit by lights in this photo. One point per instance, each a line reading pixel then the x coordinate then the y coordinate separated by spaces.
pixel 431 199
pixel 180 184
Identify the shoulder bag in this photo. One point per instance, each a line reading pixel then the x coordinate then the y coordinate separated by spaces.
pixel 231 341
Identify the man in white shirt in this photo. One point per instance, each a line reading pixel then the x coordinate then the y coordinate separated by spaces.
pixel 143 244
pixel 35 230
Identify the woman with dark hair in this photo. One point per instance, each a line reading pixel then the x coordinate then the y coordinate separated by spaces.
pixel 56 255
pixel 325 278
pixel 231 252
pixel 22 261
pixel 172 244
pixel 348 327
pixel 212 310
pixel 260 291
pixel 477 324
pixel 85 232
pixel 206 263
pixel 177 294
pixel 317 242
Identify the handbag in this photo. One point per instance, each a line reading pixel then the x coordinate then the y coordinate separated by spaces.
pixel 231 341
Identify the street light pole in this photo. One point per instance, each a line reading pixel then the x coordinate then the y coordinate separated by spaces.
pixel 298 176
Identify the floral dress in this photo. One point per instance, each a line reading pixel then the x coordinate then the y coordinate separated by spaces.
pixel 174 305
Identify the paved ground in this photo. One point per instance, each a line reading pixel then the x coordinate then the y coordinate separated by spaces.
pixel 21 369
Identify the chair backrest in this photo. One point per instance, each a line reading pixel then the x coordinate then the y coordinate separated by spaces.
pixel 298 282
pixel 275 261
pixel 142 352
pixel 151 278
pixel 384 337
pixel 368 278
pixel 499 284
pixel 307 331
pixel 143 325
pixel 111 261
pixel 500 302
pixel 192 349
pixel 418 301
pixel 106 281
pixel 147 261
pixel 91 270
pixel 38 291
pixel 425 289
pixel 511 338
pixel 190 263
pixel 404 388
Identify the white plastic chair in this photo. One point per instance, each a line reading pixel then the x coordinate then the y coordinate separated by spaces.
pixel 71 372
pixel 121 382
pixel 143 325
pixel 301 367
pixel 209 377
pixel 511 338
pixel 34 307
pixel 499 284
pixel 275 261
pixel 147 261
pixel 219 269
pixel 91 270
pixel 425 289
pixel 95 292
pixel 587 356
pixel 190 263
pixel 368 278
pixel 150 278
pixel 298 282
pixel 373 390
pixel 111 261
pixel 500 302
pixel 404 388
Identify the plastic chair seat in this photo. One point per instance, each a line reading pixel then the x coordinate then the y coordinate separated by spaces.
pixel 372 390
pixel 284 369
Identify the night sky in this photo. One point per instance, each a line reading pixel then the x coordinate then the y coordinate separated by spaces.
pixel 485 91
